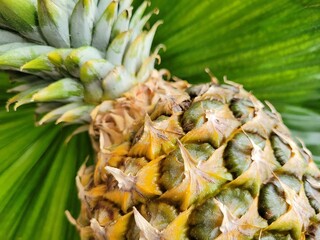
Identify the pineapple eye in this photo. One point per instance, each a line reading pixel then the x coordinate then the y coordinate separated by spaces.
pixel 272 203
pixel 195 116
pixel 312 189
pixel 237 156
pixel 281 150
pixel 242 109
pixel 172 165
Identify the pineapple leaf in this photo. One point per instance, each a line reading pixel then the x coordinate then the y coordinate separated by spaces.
pixel 54 22
pixel 102 31
pixel 20 16
pixel 117 48
pixel 66 89
pixel 81 23
pixel 9 37
pixel 17 57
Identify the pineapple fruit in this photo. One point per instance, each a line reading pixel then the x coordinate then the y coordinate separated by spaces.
pixel 196 162
pixel 173 161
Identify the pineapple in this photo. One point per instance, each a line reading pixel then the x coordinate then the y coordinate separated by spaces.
pixel 173 160
pixel 206 161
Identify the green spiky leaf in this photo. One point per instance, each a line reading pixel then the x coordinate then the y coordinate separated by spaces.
pixel 20 16
pixel 54 22
pixel 81 23
pixel 66 89
pixel 16 58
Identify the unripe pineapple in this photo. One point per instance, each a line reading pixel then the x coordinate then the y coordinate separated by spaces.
pixel 173 161
pixel 200 162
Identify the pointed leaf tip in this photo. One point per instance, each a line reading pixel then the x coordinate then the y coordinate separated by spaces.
pixel 66 89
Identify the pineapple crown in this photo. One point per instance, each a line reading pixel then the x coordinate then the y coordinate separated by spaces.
pixel 69 56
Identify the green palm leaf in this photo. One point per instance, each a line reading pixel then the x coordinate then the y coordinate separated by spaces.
pixel 305 124
pixel 271 47
pixel 37 177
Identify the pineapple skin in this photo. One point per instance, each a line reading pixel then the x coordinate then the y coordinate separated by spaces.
pixel 209 161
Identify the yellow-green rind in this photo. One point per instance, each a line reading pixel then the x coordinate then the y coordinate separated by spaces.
pixel 208 162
